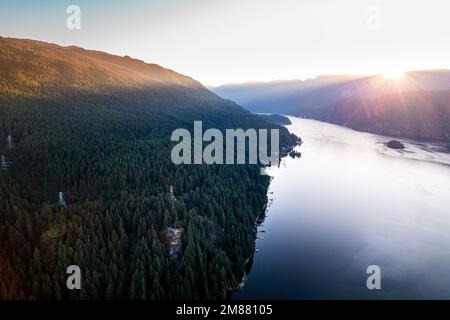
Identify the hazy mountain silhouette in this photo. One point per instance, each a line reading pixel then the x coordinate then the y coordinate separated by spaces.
pixel 415 106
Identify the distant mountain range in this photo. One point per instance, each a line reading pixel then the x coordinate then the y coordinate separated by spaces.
pixel 415 106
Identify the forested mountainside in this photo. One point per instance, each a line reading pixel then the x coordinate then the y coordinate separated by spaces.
pixel 415 106
pixel 97 128
pixel 276 119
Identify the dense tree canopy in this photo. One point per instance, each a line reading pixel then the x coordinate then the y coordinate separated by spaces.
pixel 108 150
pixel 115 170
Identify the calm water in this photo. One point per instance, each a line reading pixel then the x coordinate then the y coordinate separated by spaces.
pixel 347 203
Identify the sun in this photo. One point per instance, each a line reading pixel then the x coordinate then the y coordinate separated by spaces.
pixel 394 74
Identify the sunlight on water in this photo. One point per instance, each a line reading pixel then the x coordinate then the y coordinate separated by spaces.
pixel 350 202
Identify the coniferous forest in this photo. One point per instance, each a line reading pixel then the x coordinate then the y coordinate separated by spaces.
pixel 97 128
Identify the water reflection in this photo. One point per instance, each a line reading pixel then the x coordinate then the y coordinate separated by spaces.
pixel 347 203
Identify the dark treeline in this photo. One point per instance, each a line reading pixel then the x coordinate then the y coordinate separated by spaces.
pixel 110 155
pixel 275 118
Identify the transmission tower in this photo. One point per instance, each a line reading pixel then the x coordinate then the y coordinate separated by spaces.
pixel 4 164
pixel 9 140
pixel 61 199
pixel 171 194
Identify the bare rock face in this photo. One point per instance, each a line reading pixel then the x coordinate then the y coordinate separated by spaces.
pixel 394 144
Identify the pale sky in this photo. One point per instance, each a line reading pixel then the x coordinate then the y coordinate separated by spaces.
pixel 222 41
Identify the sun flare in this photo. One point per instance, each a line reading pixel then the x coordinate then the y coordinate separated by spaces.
pixel 394 75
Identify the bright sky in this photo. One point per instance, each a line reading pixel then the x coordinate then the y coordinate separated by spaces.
pixel 221 41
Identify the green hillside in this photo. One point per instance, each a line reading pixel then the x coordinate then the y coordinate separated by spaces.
pixel 97 127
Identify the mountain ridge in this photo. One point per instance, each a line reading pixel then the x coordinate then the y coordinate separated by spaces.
pixel 42 65
pixel 97 127
pixel 369 103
